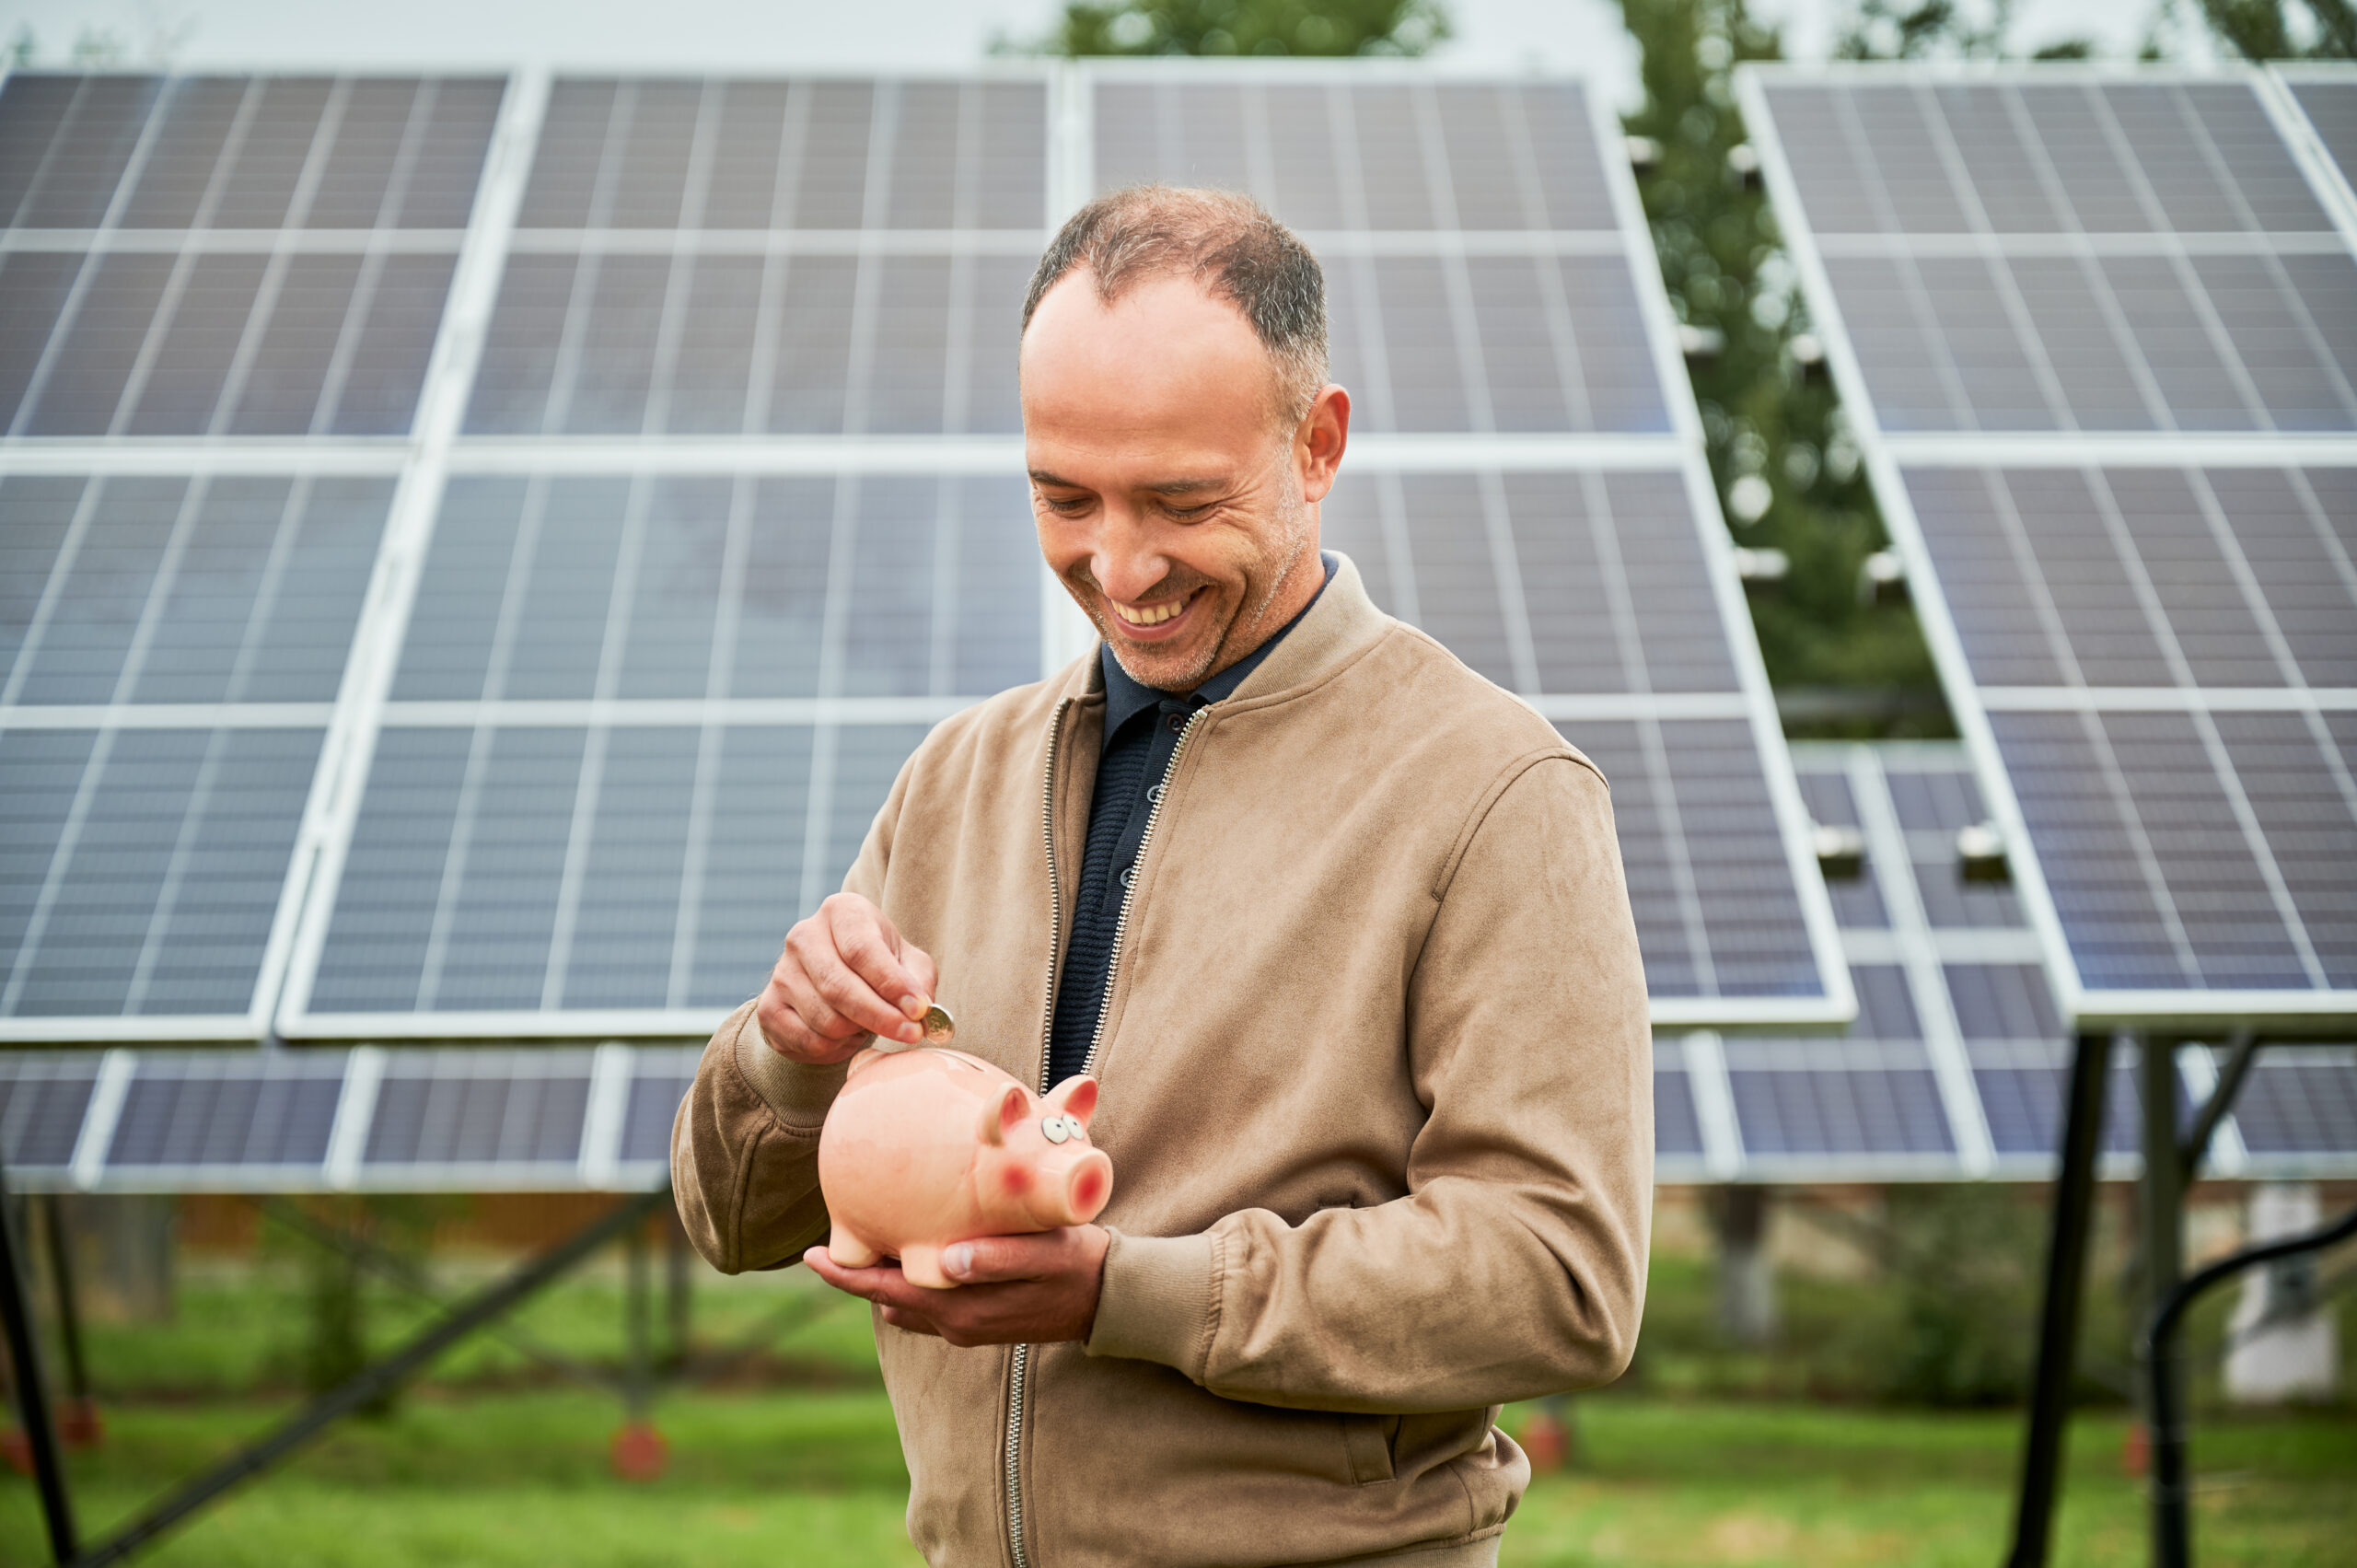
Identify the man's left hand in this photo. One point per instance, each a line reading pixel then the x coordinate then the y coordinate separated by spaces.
pixel 1010 1290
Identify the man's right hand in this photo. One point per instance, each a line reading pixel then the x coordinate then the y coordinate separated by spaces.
pixel 845 976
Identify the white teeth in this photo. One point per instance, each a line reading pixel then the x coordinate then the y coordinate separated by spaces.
pixel 1151 615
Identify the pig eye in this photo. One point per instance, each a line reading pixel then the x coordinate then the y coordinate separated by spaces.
pixel 1074 1128
pixel 1053 1127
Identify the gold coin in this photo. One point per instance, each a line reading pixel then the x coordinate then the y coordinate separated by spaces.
pixel 940 1029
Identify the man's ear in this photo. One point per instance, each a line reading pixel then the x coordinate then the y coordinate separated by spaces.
pixel 1002 1115
pixel 1319 439
pixel 1075 1097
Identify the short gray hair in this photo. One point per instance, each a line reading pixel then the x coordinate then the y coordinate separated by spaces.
pixel 1227 243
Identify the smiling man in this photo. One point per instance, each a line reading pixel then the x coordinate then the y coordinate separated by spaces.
pixel 1339 927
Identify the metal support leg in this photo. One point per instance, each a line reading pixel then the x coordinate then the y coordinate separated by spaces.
pixel 677 1266
pixel 32 1388
pixel 635 1323
pixel 638 1451
pixel 77 1422
pixel 2066 1261
pixel 2160 1196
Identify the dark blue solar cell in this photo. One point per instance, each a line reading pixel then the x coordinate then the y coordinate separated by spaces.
pixel 655 1097
pixel 1828 1111
pixel 210 1111
pixel 42 1105
pixel 1675 1130
pixel 2299 1101
pixel 467 1108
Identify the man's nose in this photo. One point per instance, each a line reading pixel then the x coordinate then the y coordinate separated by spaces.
pixel 1125 563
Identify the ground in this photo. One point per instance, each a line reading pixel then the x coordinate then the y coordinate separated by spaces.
pixel 792 1456
pixel 766 1475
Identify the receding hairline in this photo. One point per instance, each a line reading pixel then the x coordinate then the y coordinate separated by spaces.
pixel 1227 245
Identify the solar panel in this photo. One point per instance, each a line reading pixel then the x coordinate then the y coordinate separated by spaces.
pixel 170 651
pixel 639 722
pixel 2096 331
pixel 1958 1064
pixel 230 256
pixel 2067 252
pixel 445 1119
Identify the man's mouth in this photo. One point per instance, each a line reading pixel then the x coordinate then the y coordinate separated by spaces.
pixel 1145 617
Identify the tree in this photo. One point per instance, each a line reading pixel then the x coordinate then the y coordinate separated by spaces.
pixel 2268 30
pixel 1250 27
pixel 1782 454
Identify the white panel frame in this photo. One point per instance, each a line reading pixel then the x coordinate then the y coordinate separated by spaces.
pixel 2086 1007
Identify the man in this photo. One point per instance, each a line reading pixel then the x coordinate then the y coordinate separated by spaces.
pixel 1339 928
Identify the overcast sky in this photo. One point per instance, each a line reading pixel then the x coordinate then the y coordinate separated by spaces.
pixel 779 35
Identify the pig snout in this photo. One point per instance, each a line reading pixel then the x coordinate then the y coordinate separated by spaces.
pixel 1065 1188
pixel 1087 1183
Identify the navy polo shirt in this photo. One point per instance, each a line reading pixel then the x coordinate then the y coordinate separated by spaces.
pixel 1142 728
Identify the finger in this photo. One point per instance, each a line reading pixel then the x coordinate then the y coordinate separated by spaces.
pixel 921 968
pixel 997 1259
pixel 870 948
pixel 849 995
pixel 808 944
pixel 787 1035
pixel 910 1322
pixel 884 1286
pixel 817 1016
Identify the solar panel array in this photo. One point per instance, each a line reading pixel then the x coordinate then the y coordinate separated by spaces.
pixel 1958 1064
pixel 2098 331
pixel 478 550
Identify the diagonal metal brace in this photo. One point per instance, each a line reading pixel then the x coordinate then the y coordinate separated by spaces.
pixel 2220 1100
pixel 395 1369
pixel 410 1278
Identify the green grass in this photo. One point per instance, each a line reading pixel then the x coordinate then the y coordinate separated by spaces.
pixel 1709 1454
pixel 519 1477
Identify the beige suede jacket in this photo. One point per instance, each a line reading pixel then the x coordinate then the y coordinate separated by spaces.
pixel 1377 1092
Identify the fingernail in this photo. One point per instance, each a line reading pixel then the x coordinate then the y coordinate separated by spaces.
pixel 912 1006
pixel 958 1260
pixel 810 1252
pixel 909 1032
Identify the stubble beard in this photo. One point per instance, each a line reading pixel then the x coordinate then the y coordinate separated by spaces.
pixel 1294 517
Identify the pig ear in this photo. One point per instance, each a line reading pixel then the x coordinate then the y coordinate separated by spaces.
pixel 1075 1096
pixel 1001 1114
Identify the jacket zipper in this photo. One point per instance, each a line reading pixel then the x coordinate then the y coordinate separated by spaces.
pixel 1018 1365
pixel 1019 1361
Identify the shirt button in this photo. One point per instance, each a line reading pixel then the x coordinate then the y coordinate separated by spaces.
pixel 1175 723
pixel 1126 873
pixel 1154 796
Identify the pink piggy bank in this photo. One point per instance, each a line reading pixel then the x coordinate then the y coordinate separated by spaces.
pixel 925 1147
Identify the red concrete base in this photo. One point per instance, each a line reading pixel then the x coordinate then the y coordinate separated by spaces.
pixel 1543 1440
pixel 639 1452
pixel 79 1424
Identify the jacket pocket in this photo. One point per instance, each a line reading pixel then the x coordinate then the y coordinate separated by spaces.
pixel 1366 1447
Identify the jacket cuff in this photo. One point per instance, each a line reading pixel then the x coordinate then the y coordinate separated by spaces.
pixel 1156 1301
pixel 798 1094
